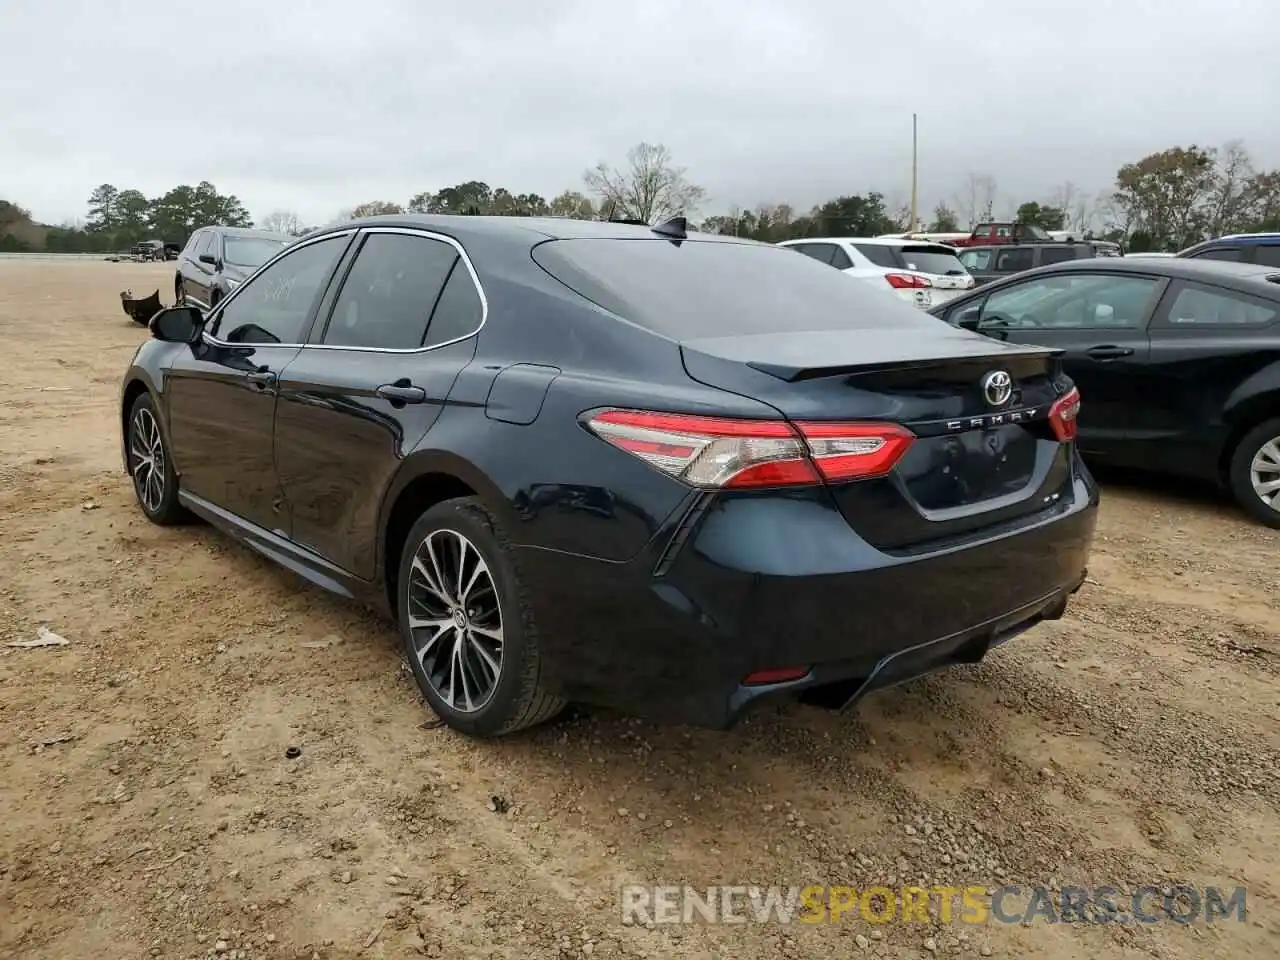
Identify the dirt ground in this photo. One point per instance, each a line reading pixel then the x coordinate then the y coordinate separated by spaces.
pixel 147 807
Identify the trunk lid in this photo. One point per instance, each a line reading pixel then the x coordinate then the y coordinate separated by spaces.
pixel 974 464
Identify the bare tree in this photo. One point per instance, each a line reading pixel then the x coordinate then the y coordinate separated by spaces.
pixel 977 198
pixel 651 189
pixel 282 221
pixel 1227 203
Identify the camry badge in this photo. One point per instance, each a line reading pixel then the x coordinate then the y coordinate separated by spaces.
pixel 997 388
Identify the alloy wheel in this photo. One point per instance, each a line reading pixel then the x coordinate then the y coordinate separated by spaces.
pixel 146 455
pixel 455 620
pixel 1264 473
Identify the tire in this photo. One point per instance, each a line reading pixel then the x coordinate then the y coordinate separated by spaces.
pixel 516 699
pixel 150 464
pixel 1260 445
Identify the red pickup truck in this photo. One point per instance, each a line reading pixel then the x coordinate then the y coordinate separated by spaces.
pixel 999 231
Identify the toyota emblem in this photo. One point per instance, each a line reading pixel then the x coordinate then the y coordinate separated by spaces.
pixel 997 387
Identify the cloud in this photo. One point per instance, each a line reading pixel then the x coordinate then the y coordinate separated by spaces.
pixel 323 105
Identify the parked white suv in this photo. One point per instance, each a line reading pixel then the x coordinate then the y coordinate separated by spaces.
pixel 925 274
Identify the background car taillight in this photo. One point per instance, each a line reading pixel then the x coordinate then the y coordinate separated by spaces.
pixel 722 452
pixel 1064 415
pixel 907 281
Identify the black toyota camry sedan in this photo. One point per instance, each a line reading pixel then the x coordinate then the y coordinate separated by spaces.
pixel 654 470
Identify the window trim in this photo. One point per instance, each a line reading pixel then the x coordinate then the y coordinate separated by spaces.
pixel 346 270
pixel 230 297
pixel 1160 319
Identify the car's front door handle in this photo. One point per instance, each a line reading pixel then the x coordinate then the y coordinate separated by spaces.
pixel 402 391
pixel 261 378
pixel 1108 352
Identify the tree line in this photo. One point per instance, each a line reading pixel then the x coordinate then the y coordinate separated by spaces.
pixel 1164 201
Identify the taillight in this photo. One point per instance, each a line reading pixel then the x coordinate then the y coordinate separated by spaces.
pixel 907 281
pixel 723 452
pixel 1065 414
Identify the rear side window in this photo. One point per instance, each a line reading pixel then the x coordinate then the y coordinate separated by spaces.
pixel 881 254
pixel 1210 306
pixel 1231 254
pixel 1015 259
pixel 840 260
pixel 1056 255
pixel 459 311
pixel 390 292
pixel 822 252
pixel 1267 254
pixel 703 288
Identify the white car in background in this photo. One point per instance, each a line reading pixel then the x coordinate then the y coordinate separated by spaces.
pixel 924 274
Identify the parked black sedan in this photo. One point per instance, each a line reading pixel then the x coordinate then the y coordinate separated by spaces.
pixel 1179 360
pixel 578 461
pixel 217 259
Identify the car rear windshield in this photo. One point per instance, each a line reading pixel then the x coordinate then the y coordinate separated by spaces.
pixel 715 288
pixel 251 251
pixel 941 261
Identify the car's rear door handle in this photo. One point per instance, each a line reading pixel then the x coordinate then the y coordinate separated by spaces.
pixel 1108 352
pixel 261 378
pixel 402 391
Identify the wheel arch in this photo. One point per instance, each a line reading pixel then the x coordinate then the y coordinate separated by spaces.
pixel 135 385
pixel 1254 401
pixel 423 480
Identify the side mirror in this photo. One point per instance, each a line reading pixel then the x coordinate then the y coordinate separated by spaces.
pixel 209 258
pixel 1103 313
pixel 969 319
pixel 177 325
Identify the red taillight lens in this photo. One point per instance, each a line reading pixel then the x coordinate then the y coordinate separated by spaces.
pixel 1065 414
pixel 907 281
pixel 721 452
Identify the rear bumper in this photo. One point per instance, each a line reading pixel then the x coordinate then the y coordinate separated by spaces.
pixel 765 581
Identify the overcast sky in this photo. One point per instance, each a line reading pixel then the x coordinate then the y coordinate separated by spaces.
pixel 318 105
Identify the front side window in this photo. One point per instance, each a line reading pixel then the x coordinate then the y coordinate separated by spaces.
pixel 978 260
pixel 1205 306
pixel 390 292
pixel 1076 301
pixel 840 260
pixel 275 305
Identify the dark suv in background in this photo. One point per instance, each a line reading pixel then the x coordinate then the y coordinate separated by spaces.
pixel 217 259
pixel 1261 248
pixel 1005 259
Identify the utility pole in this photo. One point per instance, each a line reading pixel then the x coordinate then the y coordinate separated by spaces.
pixel 914 184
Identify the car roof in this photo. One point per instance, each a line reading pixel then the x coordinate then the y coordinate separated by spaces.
pixel 874 241
pixel 1240 275
pixel 247 232
pixel 524 229
pixel 1266 235
pixel 1031 243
